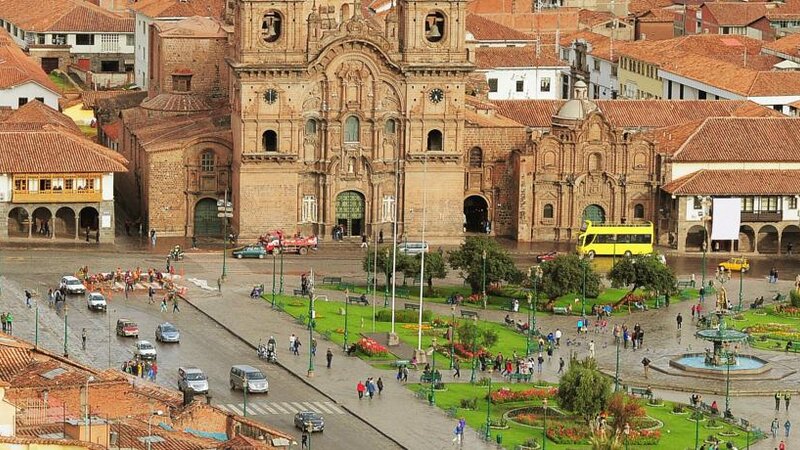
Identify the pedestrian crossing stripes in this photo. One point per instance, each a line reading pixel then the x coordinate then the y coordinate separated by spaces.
pixel 274 408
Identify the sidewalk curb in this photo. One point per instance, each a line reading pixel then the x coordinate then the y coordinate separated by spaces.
pixel 296 375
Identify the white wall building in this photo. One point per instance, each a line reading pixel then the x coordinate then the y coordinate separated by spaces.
pixel 517 73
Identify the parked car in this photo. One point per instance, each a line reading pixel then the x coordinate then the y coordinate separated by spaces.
pixel 127 328
pixel 250 251
pixel 549 256
pixel 72 285
pixel 144 350
pixel 167 332
pixel 256 380
pixel 96 301
pixel 309 419
pixel 736 264
pixel 192 378
pixel 413 248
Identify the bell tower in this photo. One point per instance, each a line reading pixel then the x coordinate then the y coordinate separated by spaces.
pixel 267 31
pixel 432 30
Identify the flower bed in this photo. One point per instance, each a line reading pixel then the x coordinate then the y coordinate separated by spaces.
pixel 462 351
pixel 371 348
pixel 561 434
pixel 506 395
pixel 777 331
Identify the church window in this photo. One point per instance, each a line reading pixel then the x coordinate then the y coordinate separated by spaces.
pixel 387 211
pixel 352 129
pixel 311 127
pixel 638 211
pixel 595 162
pixel 548 211
pixel 207 161
pixel 435 141
pixel 476 157
pixel 309 211
pixel 434 26
pixel 391 126
pixel 271 26
pixel 269 140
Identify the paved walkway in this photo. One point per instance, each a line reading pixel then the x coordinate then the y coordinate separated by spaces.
pixel 397 413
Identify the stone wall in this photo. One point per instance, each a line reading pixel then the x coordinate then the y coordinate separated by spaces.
pixel 205 57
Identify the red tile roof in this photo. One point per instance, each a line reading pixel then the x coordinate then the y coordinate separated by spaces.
pixel 37 115
pixel 736 182
pixel 17 68
pixel 90 98
pixel 113 130
pixel 53 150
pixel 591 18
pixel 637 7
pixel 734 14
pixel 788 45
pixel 516 57
pixel 64 16
pixel 739 139
pixel 483 29
pixel 634 113
pixel 31 442
pixel 658 15
pixel 180 8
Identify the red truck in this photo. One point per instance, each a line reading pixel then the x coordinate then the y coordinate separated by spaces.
pixel 275 242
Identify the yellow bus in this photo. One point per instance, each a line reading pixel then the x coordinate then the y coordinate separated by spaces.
pixel 624 239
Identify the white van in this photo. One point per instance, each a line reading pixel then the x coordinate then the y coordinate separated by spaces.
pixel 413 248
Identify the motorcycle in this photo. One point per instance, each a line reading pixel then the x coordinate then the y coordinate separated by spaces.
pixel 267 353
pixel 177 253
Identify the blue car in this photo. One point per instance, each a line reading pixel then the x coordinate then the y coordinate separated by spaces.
pixel 250 251
pixel 167 332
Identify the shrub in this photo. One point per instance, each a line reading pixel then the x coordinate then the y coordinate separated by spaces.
pixel 677 408
pixel 469 403
pixel 794 298
pixel 484 381
pixel 499 423
pixel 403 316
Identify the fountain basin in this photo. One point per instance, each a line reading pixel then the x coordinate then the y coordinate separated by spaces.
pixel 696 362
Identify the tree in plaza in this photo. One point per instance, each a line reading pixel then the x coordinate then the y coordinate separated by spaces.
pixel 643 271
pixel 468 260
pixel 583 389
pixel 471 335
pixel 435 267
pixel 384 262
pixel 623 409
pixel 564 275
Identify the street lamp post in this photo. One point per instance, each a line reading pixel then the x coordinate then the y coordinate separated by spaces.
pixel 66 352
pixel 483 282
pixel 544 428
pixel 150 427
pixel 696 430
pixel 280 291
pixel 728 384
pixel 528 334
pixel 616 370
pixel 741 293
pixel 474 354
pixel 86 413
pixel 311 333
pixel 36 333
pixel 452 336
pixel 346 310
pixel 432 396
pixel 274 269
pixel 489 411
pixel 583 295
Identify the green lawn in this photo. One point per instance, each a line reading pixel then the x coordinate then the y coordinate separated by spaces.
pixel 678 431
pixel 777 329
pixel 60 80
pixel 330 322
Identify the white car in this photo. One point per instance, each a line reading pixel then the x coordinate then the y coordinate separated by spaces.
pixel 96 301
pixel 144 350
pixel 72 285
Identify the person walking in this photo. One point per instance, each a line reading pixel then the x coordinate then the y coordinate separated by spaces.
pixel 405 374
pixel 360 388
pixel 646 365
pixel 296 347
pixel 329 357
pixel 380 385
pixel 370 388
pixel 702 294
pixel 591 350
pixel 558 337
pixel 782 446
pixel 153 237
pixel 314 347
pixel 777 401
pixel 456 369
pixel 83 339
pixel 28 297
pixel 787 426
pixel 787 396
pixel 175 304
pixel 151 293
pixel 459 432
pixel 679 319
pixel 560 364
pixel 774 428
pixel 539 363
pixel 9 322
pixel 364 243
pixel 154 369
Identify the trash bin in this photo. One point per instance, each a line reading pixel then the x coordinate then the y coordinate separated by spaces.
pixel 499 438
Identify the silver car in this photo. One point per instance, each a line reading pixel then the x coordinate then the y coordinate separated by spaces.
pixel 96 301
pixel 144 350
pixel 192 378
pixel 256 380
pixel 72 285
pixel 167 332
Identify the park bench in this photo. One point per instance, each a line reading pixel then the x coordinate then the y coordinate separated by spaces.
pixel 355 299
pixel 412 306
pixel 401 363
pixel 778 297
pixel 331 280
pixel 758 303
pixel 562 310
pixel 704 407
pixel 642 392
pixel 469 314
pixel 684 284
pixel 520 377
pixel 298 292
pixel 430 377
pixel 402 292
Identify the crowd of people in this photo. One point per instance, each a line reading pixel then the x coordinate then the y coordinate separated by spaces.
pixel 141 369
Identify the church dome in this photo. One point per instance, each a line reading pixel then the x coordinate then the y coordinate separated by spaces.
pixel 579 107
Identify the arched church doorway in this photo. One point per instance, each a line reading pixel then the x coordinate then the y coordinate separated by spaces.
pixel 595 213
pixel 350 213
pixel 206 222
pixel 476 214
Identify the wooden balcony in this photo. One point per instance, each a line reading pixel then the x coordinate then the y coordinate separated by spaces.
pixel 762 216
pixel 84 196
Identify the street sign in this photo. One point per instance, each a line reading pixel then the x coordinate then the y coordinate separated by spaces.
pixel 224 209
pixel 229 215
pixel 221 204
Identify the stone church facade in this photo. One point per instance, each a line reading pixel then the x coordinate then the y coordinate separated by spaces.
pixel 333 109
